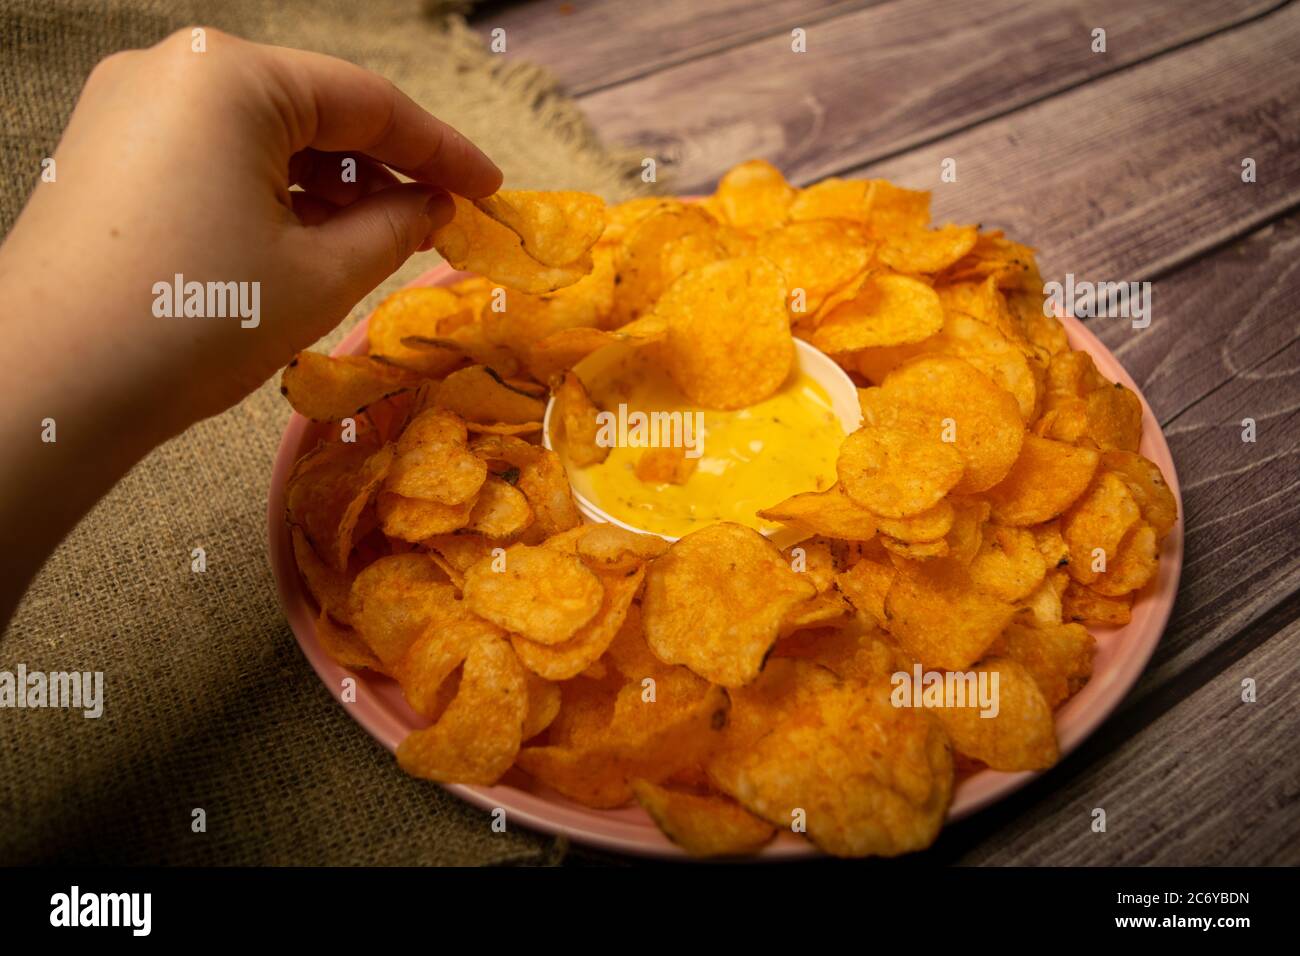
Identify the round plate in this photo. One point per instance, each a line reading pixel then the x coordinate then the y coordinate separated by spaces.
pixel 1122 653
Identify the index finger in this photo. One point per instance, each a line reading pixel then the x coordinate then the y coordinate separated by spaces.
pixel 336 106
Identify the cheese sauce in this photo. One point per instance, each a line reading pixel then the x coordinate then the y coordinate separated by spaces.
pixel 751 458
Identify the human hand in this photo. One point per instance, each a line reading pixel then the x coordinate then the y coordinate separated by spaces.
pixel 178 162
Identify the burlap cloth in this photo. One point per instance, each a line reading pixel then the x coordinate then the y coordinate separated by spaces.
pixel 208 701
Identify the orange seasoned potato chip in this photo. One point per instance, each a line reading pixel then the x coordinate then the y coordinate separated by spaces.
pixel 571 657
pixel 966 410
pixel 703 824
pixel 1095 527
pixel 830 512
pixel 715 599
pixel 501 510
pixel 667 465
pixel 328 492
pixel 1147 486
pixel 418 313
pixel 1083 605
pixel 396 598
pixel 897 471
pixel 1008 564
pixel 474 242
pixel 541 594
pixel 433 461
pixel 327 388
pixel 753 195
pixel 884 310
pixel 816 258
pixel 729 342
pixel 556 227
pixel 865 777
pixel 1046 479
pixel 1059 658
pixel 578 422
pixel 1019 736
pixel 940 618
pixel 478 394
pixel 478 736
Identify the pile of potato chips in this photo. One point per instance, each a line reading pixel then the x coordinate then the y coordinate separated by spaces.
pixel 991 505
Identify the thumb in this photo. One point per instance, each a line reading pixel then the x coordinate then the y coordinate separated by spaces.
pixel 376 234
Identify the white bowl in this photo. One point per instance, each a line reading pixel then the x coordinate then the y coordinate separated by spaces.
pixel 814 363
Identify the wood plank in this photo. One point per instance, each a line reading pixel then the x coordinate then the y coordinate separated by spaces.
pixel 599 43
pixel 1214 781
pixel 1112 180
pixel 886 78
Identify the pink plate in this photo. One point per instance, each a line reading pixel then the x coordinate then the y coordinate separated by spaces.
pixel 1122 653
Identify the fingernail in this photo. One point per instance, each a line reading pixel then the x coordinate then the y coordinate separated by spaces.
pixel 439 210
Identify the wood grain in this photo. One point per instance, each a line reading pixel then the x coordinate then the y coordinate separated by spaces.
pixel 1214 781
pixel 886 78
pixel 601 43
pixel 1135 173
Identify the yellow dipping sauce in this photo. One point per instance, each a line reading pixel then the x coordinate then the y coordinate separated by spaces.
pixel 752 458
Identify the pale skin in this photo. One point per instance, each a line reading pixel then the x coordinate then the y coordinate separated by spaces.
pixel 176 161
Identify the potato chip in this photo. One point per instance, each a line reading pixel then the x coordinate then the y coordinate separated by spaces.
pixel 648 739
pixel 867 778
pixel 416 312
pixel 1043 608
pixel 621 218
pixel 328 492
pixel 665 465
pixel 886 310
pixel 500 511
pixel 436 655
pixel 897 471
pixel 629 653
pixel 344 647
pixel 832 199
pixel 1010 263
pixel 1097 524
pixel 926 250
pixel 586 710
pixel 609 548
pixel 542 479
pixel 331 589
pixel 915 550
pixel 815 257
pixel 729 342
pixel 715 600
pixel 556 227
pixel 1008 565
pixel 983 347
pixel 892 209
pixel 548 357
pixel 865 585
pixel 640 277
pixel 1156 502
pixel 396 598
pixel 1081 404
pixel 937 615
pixel 577 415
pixel 1133 567
pixel 829 512
pixel 415 519
pixel 544 701
pixel 569 658
pixel 326 388
pixel 478 394
pixel 1021 736
pixel 478 735
pixel 964 407
pixel 753 195
pixel 535 592
pixel 518 320
pixel 1058 658
pixel 853 651
pixel 434 462
pixel 1083 605
pixel 966 535
pixel 473 242
pixel 1046 479
pixel 929 525
pixel 703 825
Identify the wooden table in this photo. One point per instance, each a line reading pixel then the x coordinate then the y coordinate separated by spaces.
pixel 1124 165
